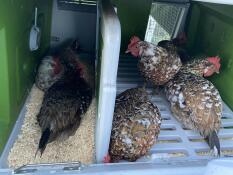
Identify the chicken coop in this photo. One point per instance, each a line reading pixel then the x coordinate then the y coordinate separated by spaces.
pixel 30 30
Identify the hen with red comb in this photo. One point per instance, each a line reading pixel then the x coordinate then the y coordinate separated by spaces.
pixel 156 64
pixel 203 67
pixel 65 101
pixel 195 101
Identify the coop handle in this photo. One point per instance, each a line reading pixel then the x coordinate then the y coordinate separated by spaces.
pixel 31 168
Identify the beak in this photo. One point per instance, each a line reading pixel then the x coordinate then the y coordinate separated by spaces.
pixel 127 51
pixel 217 72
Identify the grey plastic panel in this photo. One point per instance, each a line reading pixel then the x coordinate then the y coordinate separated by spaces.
pixel 175 142
pixel 77 5
pixel 71 23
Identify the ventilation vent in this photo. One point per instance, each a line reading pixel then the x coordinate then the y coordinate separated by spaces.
pixel 166 20
pixel 77 5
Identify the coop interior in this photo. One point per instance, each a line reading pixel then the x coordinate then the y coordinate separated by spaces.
pixel 209 29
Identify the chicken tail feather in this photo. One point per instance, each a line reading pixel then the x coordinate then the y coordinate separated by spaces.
pixel 213 142
pixel 43 141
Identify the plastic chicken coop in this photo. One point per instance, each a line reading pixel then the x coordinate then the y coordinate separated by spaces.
pixel 104 28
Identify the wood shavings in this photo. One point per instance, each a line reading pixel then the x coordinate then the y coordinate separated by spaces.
pixel 79 147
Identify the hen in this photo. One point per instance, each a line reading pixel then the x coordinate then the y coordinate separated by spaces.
pixel 63 104
pixel 157 65
pixel 178 44
pixel 136 125
pixel 195 102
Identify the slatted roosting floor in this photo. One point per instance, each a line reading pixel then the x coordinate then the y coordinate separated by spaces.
pixel 174 141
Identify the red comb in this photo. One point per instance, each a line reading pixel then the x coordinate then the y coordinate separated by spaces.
pixel 132 46
pixel 182 35
pixel 107 159
pixel 182 38
pixel 134 39
pixel 214 59
pixel 57 66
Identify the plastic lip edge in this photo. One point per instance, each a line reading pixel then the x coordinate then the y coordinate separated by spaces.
pixel 13 135
pixel 227 2
pixel 111 35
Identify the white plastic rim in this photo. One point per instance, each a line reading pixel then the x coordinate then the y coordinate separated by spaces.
pixel 227 2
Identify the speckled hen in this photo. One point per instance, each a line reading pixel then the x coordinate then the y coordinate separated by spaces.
pixel 136 125
pixel 63 104
pixel 157 65
pixel 194 100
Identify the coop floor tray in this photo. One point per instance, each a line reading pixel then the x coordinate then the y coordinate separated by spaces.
pixel 174 142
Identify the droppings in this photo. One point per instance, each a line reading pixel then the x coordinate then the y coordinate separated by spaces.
pixel 209 105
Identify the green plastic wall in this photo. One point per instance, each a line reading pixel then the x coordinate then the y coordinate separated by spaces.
pixel 210 31
pixel 17 63
pixel 133 16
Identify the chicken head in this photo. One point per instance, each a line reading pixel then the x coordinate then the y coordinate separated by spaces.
pixel 213 66
pixel 133 46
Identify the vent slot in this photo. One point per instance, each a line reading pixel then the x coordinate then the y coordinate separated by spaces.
pixel 89 6
pixel 166 21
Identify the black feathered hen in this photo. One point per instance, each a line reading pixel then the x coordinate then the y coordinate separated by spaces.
pixel 178 44
pixel 64 103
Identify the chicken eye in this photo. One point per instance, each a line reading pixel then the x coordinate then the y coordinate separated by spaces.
pixel 208 64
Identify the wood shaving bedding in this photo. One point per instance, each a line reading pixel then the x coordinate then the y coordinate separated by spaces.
pixel 79 147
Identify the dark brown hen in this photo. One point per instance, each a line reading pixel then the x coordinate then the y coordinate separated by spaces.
pixel 178 44
pixel 64 103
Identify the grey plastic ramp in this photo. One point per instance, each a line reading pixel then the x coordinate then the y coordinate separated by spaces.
pixel 175 142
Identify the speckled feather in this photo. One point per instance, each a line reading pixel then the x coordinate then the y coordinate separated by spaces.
pixel 195 102
pixel 197 66
pixel 46 74
pixel 157 64
pixel 136 125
